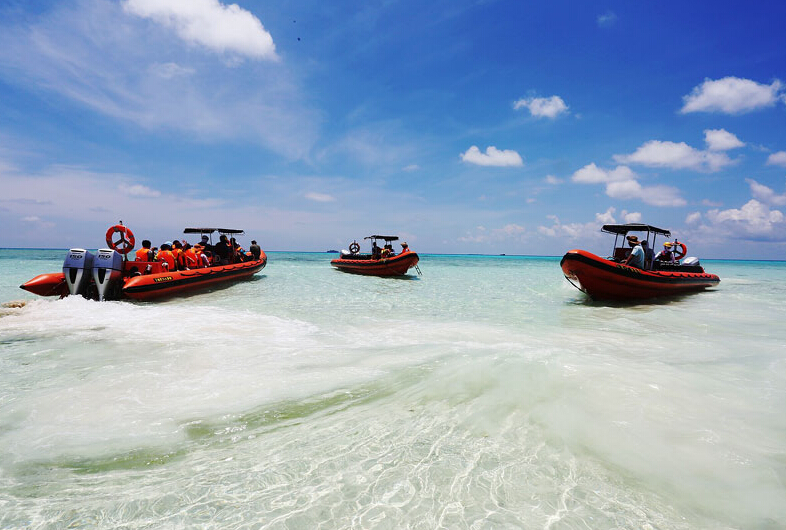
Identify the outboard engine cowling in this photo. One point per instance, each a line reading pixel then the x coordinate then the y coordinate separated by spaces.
pixel 107 272
pixel 692 262
pixel 76 269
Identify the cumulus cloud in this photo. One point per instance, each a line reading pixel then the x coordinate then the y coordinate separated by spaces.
pixel 766 194
pixel 411 167
pixel 551 179
pixel 492 157
pixel 777 159
pixel 319 197
pixel 753 219
pixel 218 27
pixel 542 107
pixel 693 218
pixel 578 231
pixel 731 95
pixel 621 183
pixel 721 140
pixel 678 155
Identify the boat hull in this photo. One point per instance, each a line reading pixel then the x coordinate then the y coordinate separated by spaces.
pixel 605 279
pixel 152 286
pixel 396 266
pixel 50 284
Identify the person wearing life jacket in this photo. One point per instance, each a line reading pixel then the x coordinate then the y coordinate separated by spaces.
pixel 404 247
pixel 177 252
pixel 166 257
pixel 666 255
pixel 144 253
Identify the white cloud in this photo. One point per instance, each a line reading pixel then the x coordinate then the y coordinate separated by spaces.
pixel 731 95
pixel 777 159
pixel 94 54
pixel 753 219
pixel 543 107
pixel 411 167
pixel 631 217
pixel 138 190
pixel 507 233
pixel 319 197
pixel 492 157
pixel 607 19
pixel 551 179
pixel 721 140
pixel 621 183
pixel 693 218
pixel 765 194
pixel 219 27
pixel 31 219
pixel 673 155
pixel 578 231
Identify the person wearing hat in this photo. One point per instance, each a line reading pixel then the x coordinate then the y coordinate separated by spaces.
pixel 666 254
pixel 636 256
pixel 404 247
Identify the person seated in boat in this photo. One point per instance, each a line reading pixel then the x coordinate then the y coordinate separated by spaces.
pixel 386 253
pixel 178 253
pixel 166 257
pixel 238 252
pixel 636 256
pixel 375 250
pixel 256 250
pixel 145 253
pixel 665 255
pixel 190 256
pixel 404 247
pixel 648 254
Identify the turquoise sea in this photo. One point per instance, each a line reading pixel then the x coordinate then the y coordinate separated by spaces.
pixel 487 393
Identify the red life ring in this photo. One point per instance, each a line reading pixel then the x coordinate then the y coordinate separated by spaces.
pixel 126 241
pixel 678 257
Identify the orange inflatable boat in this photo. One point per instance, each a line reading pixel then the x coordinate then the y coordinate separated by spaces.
pixel 107 275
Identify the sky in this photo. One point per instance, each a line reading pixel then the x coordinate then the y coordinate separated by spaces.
pixel 461 126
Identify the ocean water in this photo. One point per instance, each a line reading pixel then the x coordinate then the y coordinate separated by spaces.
pixel 487 393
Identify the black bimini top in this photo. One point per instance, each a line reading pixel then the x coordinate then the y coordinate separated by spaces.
pixel 211 230
pixel 634 227
pixel 386 238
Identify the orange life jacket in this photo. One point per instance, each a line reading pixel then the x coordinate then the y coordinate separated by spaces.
pixel 143 254
pixel 192 259
pixel 180 259
pixel 168 257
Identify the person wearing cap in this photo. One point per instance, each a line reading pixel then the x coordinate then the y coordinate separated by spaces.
pixel 666 254
pixel 636 256
pixel 404 247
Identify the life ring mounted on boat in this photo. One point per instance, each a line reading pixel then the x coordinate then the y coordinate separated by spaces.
pixel 354 247
pixel 681 247
pixel 126 241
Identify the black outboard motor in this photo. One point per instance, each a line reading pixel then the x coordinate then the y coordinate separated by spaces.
pixel 107 272
pixel 76 269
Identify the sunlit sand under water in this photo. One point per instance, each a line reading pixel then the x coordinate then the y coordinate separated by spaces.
pixel 487 393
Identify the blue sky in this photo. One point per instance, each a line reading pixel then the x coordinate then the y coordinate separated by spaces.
pixel 467 127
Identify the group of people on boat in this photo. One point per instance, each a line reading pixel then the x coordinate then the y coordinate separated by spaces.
pixel 181 255
pixel 386 251
pixel 642 256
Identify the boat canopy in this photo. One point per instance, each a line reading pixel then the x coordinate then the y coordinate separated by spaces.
pixel 634 227
pixel 386 238
pixel 211 230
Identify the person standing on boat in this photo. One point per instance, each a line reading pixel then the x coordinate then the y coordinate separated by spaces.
pixel 223 250
pixel 636 256
pixel 375 250
pixel 255 249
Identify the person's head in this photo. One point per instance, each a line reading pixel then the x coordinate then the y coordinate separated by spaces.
pixel 645 243
pixel 632 240
pixel 667 245
pixel 253 241
pixel 404 245
pixel 187 246
pixel 223 238
pixel 146 243
pixel 177 244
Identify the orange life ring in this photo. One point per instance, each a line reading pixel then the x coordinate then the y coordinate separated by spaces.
pixel 678 257
pixel 126 241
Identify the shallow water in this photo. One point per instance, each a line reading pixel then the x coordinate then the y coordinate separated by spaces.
pixel 487 393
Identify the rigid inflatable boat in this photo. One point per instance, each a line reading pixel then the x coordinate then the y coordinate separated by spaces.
pixel 382 261
pixel 108 275
pixel 611 279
